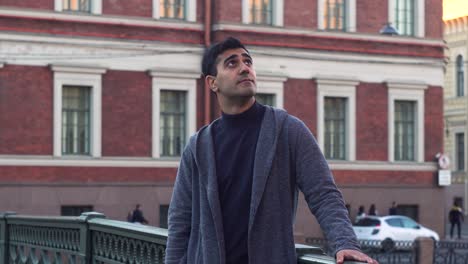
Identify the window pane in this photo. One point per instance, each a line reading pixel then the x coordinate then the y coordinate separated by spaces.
pixel 460 151
pixel 395 222
pixel 404 20
pixel 174 9
pixel 405 125
pixel 77 5
pixel 172 122
pixel 75 210
pixel 260 12
pixel 460 73
pixel 335 15
pixel 266 99
pixel 335 128
pixel 75 120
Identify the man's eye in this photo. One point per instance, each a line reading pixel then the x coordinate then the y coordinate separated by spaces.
pixel 248 62
pixel 231 63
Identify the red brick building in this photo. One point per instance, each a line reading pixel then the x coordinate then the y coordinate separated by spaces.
pixel 98 97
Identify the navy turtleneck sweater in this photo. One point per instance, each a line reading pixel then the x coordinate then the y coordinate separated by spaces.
pixel 235 141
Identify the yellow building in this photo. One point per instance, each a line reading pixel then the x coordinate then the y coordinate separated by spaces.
pixel 455 107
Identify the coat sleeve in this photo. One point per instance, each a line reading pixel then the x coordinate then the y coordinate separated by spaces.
pixel 180 212
pixel 314 179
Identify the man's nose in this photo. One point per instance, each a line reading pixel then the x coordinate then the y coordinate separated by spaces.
pixel 244 69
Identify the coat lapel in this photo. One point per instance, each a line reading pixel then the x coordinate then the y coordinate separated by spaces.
pixel 207 167
pixel 264 154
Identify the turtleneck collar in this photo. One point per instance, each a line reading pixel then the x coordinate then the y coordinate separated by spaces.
pixel 249 115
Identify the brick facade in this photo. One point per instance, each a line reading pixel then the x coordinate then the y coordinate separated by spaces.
pixel 300 100
pixel 137 8
pixel 30 4
pixel 298 51
pixel 433 23
pixel 300 14
pixel 25 110
pixel 433 122
pixel 371 121
pixel 46 174
pixel 333 44
pixel 371 15
pixel 126 114
pixel 100 30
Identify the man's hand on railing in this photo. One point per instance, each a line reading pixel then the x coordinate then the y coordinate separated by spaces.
pixel 349 254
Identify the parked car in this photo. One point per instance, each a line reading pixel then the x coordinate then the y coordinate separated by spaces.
pixel 389 232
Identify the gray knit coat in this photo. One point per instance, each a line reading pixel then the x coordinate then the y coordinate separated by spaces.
pixel 287 160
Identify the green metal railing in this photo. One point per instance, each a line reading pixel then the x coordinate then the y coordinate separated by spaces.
pixel 90 238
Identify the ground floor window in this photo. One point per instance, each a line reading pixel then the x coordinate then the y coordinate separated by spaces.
pixel 75 210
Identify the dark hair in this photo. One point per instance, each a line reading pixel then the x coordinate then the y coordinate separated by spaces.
pixel 211 54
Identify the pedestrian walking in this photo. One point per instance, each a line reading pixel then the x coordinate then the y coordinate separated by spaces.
pixel 456 218
pixel 361 214
pixel 373 210
pixel 393 209
pixel 137 216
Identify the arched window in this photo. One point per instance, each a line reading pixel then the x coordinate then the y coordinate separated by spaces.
pixel 460 76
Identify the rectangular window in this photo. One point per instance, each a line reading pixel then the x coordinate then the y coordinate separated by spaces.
pixel 335 128
pixel 404 17
pixel 409 210
pixel 405 125
pixel 77 5
pixel 173 126
pixel 174 9
pixel 75 120
pixel 163 211
pixel 261 12
pixel 460 151
pixel 75 210
pixel 335 15
pixel 266 99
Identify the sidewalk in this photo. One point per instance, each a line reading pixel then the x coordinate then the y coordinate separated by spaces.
pixel 464 231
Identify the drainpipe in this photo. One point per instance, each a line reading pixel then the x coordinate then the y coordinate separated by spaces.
pixel 207 45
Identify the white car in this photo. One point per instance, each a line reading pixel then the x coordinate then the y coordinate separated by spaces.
pixel 391 231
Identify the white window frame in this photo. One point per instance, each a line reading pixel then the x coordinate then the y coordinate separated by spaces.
pixel 455 131
pixel 407 92
pixel 96 6
pixel 343 88
pixel 190 10
pixel 350 15
pixel 79 76
pixel 277 14
pixel 174 80
pixel 269 84
pixel 419 7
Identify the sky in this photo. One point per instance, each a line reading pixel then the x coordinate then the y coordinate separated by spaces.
pixel 455 8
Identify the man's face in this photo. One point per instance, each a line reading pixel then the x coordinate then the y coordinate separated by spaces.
pixel 236 76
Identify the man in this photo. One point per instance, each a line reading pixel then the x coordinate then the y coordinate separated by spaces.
pixel 392 210
pixel 456 218
pixel 235 194
pixel 137 216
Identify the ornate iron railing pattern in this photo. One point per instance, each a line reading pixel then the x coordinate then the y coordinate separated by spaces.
pixel 390 252
pixel 92 239
pixel 120 242
pixel 451 252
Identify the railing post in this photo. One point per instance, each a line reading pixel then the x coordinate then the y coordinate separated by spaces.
pixel 85 235
pixel 4 237
pixel 424 250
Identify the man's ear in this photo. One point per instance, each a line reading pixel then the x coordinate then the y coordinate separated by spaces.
pixel 210 81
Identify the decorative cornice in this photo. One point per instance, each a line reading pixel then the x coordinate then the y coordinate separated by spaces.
pixel 77 69
pixel 18 160
pixel 98 19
